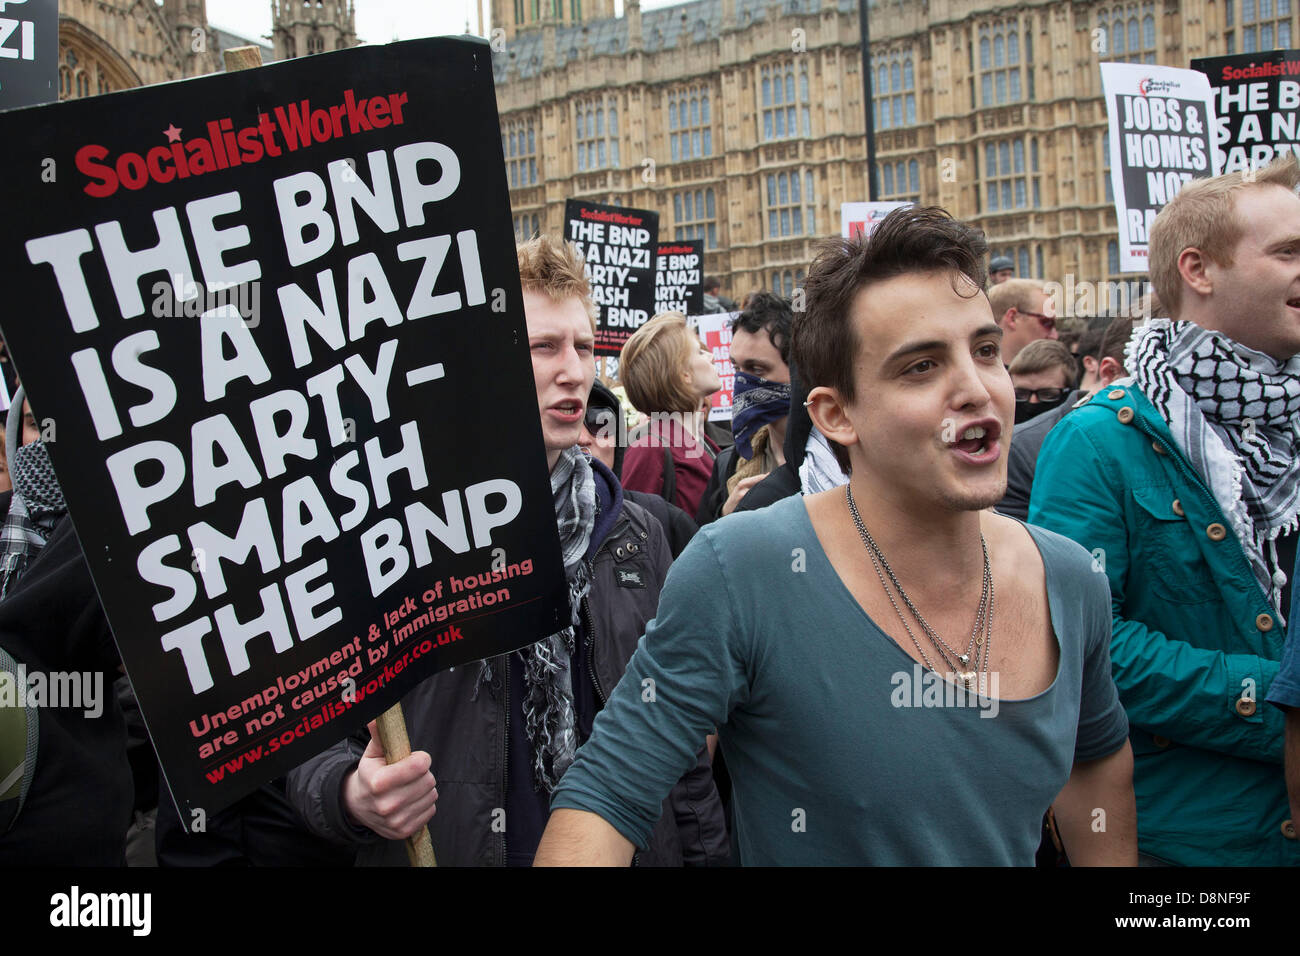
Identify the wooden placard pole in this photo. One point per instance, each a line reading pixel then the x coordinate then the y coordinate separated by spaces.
pixel 391 724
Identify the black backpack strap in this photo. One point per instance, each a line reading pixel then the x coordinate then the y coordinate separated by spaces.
pixel 670 476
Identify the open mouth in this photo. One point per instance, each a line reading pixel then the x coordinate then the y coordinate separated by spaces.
pixel 974 441
pixel 978 442
pixel 569 411
pixel 1293 303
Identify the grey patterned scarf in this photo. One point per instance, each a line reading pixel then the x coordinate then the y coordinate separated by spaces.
pixel 549 718
pixel 1235 414
pixel 36 506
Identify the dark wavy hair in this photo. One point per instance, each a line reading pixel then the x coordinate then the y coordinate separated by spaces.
pixel 908 240
pixel 770 312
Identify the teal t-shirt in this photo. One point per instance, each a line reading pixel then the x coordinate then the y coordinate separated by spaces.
pixel 841 749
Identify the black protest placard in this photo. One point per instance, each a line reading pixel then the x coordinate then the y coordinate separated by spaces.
pixel 1160 127
pixel 1256 98
pixel 271 321
pixel 29 52
pixel 679 277
pixel 618 246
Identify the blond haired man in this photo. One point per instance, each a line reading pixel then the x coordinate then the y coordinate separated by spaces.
pixel 1183 482
pixel 500 734
pixel 1025 313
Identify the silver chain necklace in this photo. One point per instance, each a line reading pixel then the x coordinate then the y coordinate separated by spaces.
pixel 979 642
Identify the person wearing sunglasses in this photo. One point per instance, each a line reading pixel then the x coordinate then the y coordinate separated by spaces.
pixel 1041 373
pixel 1025 313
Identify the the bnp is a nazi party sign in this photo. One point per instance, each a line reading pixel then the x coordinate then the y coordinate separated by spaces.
pixel 618 246
pixel 1161 123
pixel 275 318
pixel 1256 99
pixel 679 277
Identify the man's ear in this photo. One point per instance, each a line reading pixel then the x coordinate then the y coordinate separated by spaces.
pixel 1193 268
pixel 1109 370
pixel 827 411
pixel 1008 322
pixel 1090 364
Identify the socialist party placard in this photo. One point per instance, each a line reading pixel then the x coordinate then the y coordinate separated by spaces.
pixel 715 331
pixel 679 277
pixel 273 321
pixel 1256 98
pixel 1161 122
pixel 618 245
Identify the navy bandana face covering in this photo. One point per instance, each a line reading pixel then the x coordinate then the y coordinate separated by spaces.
pixel 755 402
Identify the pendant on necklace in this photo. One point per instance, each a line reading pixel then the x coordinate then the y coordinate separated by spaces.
pixel 965 659
pixel 966 677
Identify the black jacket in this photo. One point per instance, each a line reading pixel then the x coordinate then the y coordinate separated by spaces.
pixel 79 805
pixel 678 525
pixel 465 728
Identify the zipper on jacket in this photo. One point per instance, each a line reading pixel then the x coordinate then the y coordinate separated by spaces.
pixel 591 651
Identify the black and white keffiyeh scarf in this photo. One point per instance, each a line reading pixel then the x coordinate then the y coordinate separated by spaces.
pixel 549 718
pixel 1235 414
pixel 37 504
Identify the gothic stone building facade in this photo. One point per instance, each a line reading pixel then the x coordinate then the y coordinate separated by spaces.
pixel 741 121
pixel 107 45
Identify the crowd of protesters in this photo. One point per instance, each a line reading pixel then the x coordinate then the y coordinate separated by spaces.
pixel 916 448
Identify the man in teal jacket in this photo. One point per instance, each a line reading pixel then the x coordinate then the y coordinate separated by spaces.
pixel 1183 482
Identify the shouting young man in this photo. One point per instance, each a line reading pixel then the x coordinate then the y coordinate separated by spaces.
pixel 849 645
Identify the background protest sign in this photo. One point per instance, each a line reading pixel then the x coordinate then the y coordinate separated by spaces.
pixel 618 245
pixel 272 321
pixel 863 217
pixel 29 52
pixel 1160 126
pixel 679 277
pixel 1256 96
pixel 715 330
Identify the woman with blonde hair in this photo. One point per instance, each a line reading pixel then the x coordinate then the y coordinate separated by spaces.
pixel 668 373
